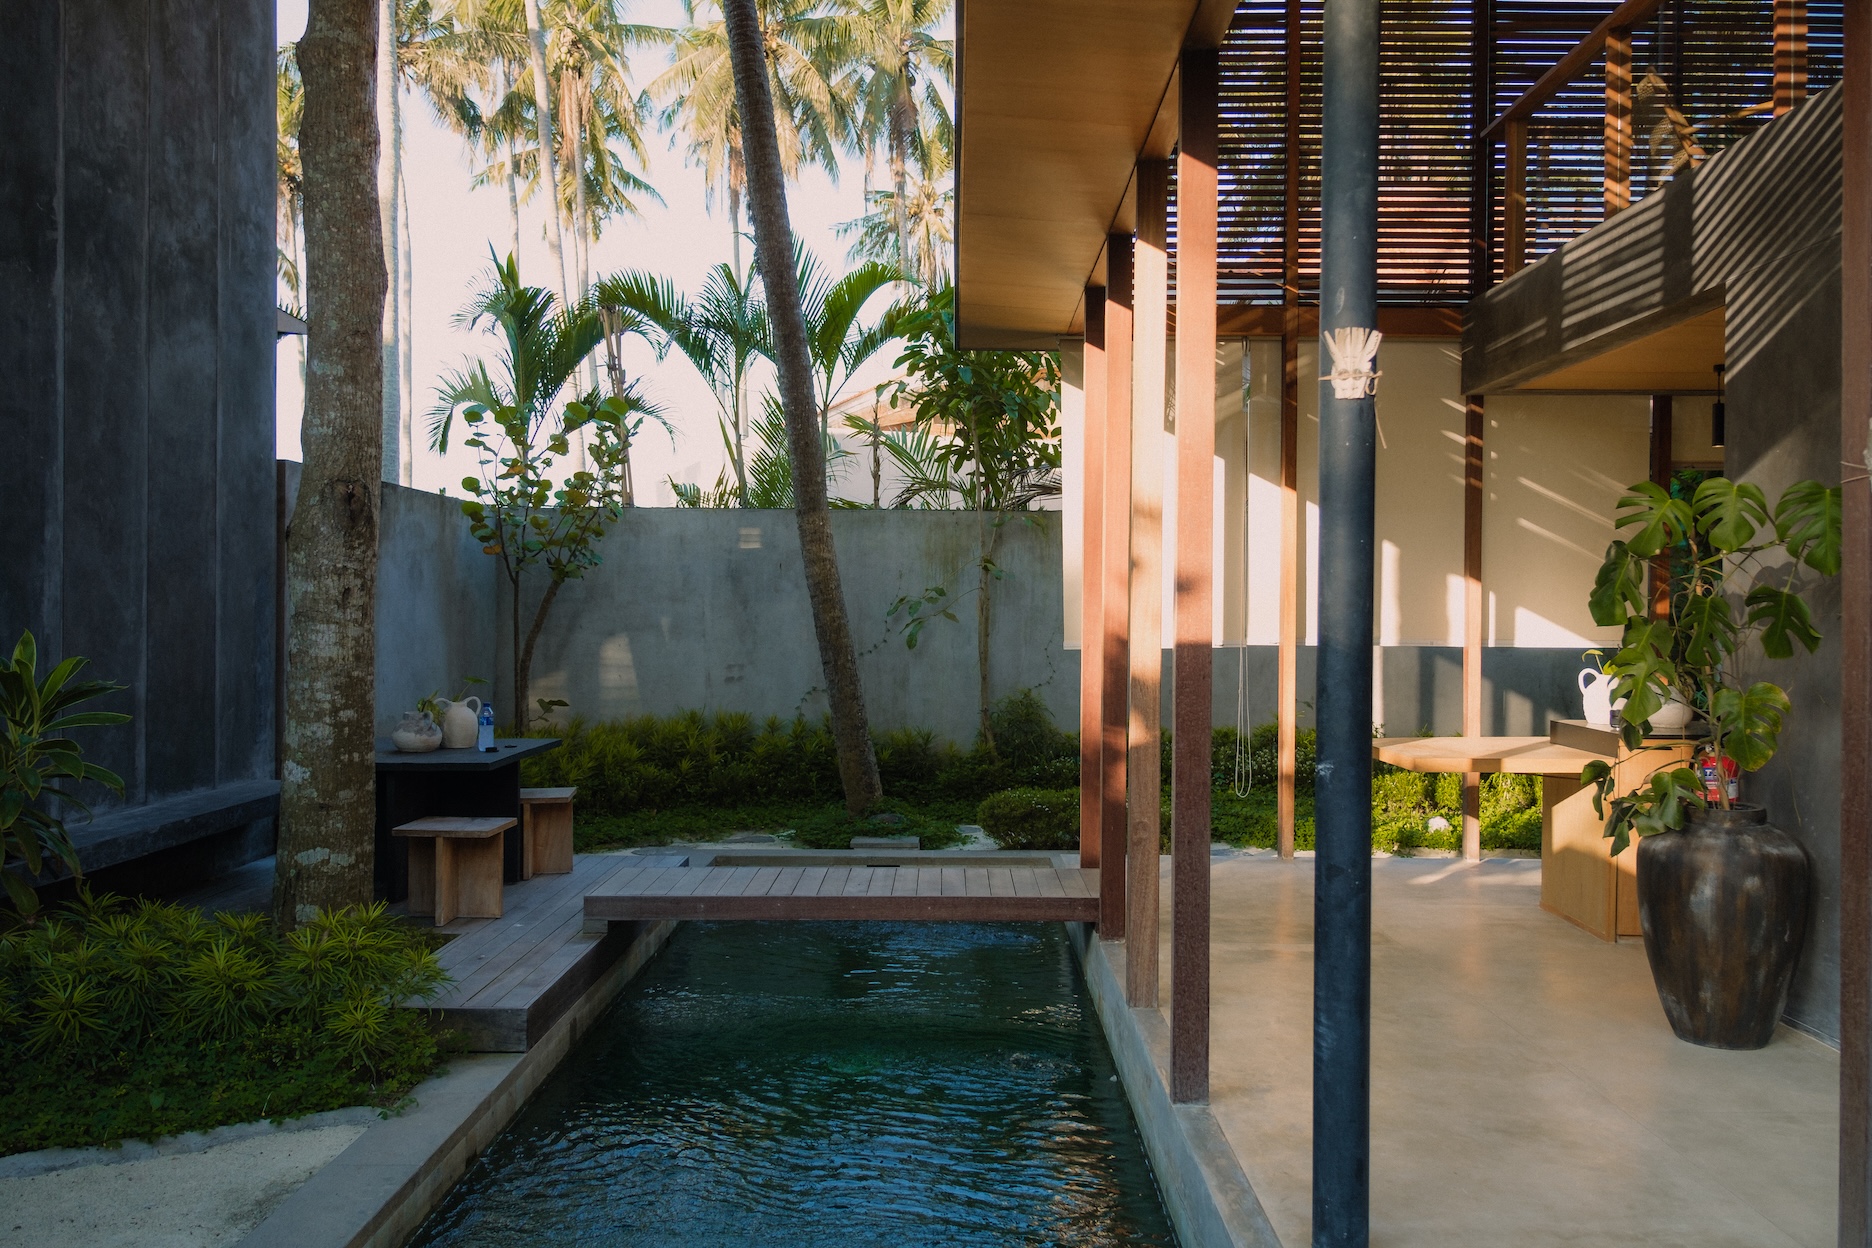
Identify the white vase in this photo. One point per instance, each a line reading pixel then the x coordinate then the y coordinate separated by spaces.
pixel 460 722
pixel 1673 716
pixel 1596 693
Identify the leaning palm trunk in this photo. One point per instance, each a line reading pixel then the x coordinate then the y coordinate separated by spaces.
pixel 387 156
pixel 406 303
pixel 773 247
pixel 513 176
pixel 548 162
pixel 327 799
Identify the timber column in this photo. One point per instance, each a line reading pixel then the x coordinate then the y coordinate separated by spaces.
pixel 1144 764
pixel 1347 467
pixel 1092 586
pixel 1115 551
pixel 1195 594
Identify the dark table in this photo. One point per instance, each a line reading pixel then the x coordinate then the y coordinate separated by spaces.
pixel 448 782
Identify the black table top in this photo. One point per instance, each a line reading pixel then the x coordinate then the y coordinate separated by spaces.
pixel 507 752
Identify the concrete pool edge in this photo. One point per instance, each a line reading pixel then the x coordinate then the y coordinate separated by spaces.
pixel 376 1193
pixel 1205 1191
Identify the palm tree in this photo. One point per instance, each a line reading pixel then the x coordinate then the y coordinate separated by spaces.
pixel 899 100
pixel 720 332
pixel 838 343
pixel 921 225
pixel 328 817
pixel 806 45
pixel 773 242
pixel 288 199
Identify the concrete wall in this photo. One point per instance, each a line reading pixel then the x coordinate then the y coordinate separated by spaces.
pixel 1755 231
pixel 136 348
pixel 707 609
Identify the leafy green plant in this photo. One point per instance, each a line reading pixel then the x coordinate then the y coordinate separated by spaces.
pixel 40 763
pixel 1725 529
pixel 1031 819
pixel 121 1019
pixel 521 510
pixel 433 703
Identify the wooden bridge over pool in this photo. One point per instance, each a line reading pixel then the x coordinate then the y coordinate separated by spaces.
pixel 513 977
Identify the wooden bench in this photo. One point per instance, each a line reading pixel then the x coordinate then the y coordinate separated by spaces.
pixel 455 866
pixel 546 816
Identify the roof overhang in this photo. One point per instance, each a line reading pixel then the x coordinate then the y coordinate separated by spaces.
pixel 1056 102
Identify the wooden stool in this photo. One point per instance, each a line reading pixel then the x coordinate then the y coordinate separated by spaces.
pixel 548 830
pixel 455 867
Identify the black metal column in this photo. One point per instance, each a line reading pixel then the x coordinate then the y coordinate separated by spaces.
pixel 1342 869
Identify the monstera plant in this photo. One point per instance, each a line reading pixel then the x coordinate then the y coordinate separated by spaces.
pixel 1724 533
pixel 1722 894
pixel 39 761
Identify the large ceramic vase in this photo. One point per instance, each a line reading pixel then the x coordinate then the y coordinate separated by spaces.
pixel 1724 909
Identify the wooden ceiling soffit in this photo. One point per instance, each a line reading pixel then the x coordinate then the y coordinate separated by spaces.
pixel 1679 358
pixel 1056 99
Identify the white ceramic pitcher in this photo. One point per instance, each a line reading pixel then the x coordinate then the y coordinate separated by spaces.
pixel 1596 691
pixel 460 722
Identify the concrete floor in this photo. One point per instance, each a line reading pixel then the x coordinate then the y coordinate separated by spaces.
pixel 1526 1088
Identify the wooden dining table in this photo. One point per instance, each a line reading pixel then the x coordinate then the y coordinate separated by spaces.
pixel 469 783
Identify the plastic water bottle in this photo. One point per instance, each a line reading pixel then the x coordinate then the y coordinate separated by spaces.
pixel 484 730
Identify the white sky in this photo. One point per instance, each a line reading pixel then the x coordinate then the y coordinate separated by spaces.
pixel 453 224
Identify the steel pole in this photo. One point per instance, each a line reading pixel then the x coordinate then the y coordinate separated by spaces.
pixel 1342 792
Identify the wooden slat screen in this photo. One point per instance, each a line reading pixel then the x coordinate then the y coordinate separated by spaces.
pixel 1716 56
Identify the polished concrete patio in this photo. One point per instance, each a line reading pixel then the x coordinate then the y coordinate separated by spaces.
pixel 1526 1089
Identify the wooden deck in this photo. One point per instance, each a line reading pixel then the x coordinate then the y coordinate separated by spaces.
pixel 806 892
pixel 513 977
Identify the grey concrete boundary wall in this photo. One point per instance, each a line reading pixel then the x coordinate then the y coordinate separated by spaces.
pixel 1756 231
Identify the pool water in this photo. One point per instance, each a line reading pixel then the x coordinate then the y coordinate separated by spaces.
pixel 827 1084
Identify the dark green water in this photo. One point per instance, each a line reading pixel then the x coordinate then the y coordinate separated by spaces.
pixel 795 1084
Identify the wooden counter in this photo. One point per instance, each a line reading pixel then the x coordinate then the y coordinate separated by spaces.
pixel 1580 879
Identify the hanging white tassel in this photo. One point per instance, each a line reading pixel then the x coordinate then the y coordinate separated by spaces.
pixel 1354 351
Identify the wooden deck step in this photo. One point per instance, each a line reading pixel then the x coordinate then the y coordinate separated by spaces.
pixel 973 894
pixel 515 976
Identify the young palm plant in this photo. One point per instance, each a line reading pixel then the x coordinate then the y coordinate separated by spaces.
pixel 40 762
pixel 1696 654
pixel 521 510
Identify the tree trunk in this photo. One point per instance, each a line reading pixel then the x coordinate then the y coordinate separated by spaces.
pixel 523 665
pixel 406 301
pixel 900 177
pixel 773 243
pixel 990 540
pixel 328 809
pixel 549 164
pixel 387 160
pixel 513 176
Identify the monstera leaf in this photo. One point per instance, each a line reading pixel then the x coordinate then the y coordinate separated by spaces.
pixel 1643 672
pixel 1807 520
pixel 1619 589
pixel 1729 512
pixel 1707 628
pixel 1750 721
pixel 1662 521
pixel 1784 619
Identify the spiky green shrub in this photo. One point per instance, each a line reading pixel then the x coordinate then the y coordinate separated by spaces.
pixel 121 1019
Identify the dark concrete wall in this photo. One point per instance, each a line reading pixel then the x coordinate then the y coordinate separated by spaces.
pixel 1756 230
pixel 136 346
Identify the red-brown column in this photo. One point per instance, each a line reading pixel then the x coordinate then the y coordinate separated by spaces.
pixel 1472 621
pixel 1194 628
pixel 1287 687
pixel 1115 551
pixel 1790 54
pixel 1144 768
pixel 1092 586
pixel 1855 1151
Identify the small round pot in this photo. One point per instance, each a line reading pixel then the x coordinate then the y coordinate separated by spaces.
pixel 417 733
pixel 1723 904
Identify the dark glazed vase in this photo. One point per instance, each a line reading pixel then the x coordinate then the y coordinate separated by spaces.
pixel 1724 909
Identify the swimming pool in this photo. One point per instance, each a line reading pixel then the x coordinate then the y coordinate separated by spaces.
pixel 799 1084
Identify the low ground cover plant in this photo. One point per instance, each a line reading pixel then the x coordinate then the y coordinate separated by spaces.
pixel 694 777
pixel 127 1020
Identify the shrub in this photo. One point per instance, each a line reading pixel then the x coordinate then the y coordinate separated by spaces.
pixel 120 1020
pixel 1031 819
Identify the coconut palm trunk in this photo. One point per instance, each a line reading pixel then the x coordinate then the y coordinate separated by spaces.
pixel 406 302
pixel 387 180
pixel 328 809
pixel 513 176
pixel 773 248
pixel 549 164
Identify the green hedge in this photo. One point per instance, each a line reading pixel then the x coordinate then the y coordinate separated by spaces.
pixel 121 1021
